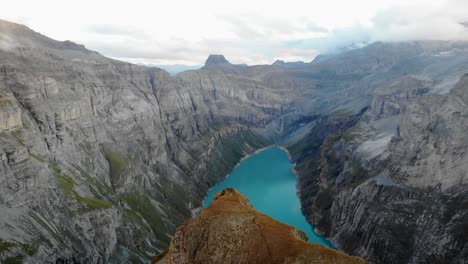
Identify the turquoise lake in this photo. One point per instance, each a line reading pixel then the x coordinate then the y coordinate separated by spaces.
pixel 266 178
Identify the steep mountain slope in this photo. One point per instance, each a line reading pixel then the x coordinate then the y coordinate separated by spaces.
pixel 101 160
pixel 392 187
pixel 429 149
pixel 232 231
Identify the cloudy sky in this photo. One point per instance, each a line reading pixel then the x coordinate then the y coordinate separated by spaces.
pixel 245 31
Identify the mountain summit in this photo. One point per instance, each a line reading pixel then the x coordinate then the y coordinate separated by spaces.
pixel 216 60
pixel 232 231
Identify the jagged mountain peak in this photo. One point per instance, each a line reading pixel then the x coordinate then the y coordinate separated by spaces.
pixel 279 62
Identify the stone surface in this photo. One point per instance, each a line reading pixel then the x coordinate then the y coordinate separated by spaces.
pixel 393 190
pixel 230 230
pixel 216 60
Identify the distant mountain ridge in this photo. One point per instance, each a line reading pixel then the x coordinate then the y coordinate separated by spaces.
pixel 174 69
pixel 288 64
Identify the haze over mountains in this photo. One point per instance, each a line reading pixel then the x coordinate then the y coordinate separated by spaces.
pixel 244 32
pixel 101 160
pixel 175 68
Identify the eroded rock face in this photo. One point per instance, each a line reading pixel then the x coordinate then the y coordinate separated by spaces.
pixel 102 159
pixel 232 231
pixel 390 101
pixel 10 114
pixel 392 188
pixel 429 150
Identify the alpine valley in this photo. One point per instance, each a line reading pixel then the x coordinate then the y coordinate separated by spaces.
pixel 101 160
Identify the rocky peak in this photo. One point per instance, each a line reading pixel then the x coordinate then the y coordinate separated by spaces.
pixel 279 62
pixel 14 35
pixel 216 60
pixel 288 63
pixel 232 231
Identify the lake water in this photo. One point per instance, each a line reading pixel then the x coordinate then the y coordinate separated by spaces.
pixel 266 178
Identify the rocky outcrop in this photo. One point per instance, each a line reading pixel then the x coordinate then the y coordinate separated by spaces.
pixel 429 149
pixel 220 63
pixel 10 114
pixel 390 101
pixel 232 231
pixel 216 60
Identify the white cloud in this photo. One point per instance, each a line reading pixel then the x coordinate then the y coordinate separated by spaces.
pixel 254 32
pixel 422 23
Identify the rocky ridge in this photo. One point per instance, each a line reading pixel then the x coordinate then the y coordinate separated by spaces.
pixel 230 230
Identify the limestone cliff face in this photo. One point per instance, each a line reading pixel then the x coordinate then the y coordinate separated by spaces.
pixel 101 160
pixel 391 100
pixel 11 115
pixel 392 188
pixel 429 150
pixel 232 231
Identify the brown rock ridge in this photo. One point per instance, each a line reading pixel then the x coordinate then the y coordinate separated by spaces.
pixel 232 231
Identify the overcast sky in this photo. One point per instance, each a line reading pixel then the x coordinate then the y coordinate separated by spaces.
pixel 245 31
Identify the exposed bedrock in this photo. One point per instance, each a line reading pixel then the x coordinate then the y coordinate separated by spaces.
pixel 392 187
pixel 101 160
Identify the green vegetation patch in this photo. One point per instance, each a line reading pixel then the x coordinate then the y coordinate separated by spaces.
pixel 67 184
pixel 93 182
pixel 117 163
pixel 230 149
pixel 14 260
pixel 28 249
pixel 93 203
pixel 173 193
pixel 352 133
pixel 55 168
pixel 37 157
pixel 5 245
pixel 342 113
pixel 142 208
pixel 17 134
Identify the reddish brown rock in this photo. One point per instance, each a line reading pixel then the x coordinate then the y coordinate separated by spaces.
pixel 232 231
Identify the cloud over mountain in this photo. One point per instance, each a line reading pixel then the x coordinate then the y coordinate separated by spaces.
pixel 248 32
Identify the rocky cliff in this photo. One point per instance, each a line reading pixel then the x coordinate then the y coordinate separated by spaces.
pixel 392 187
pixel 101 160
pixel 232 231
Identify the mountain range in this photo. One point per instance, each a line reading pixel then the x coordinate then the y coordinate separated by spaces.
pixel 101 160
